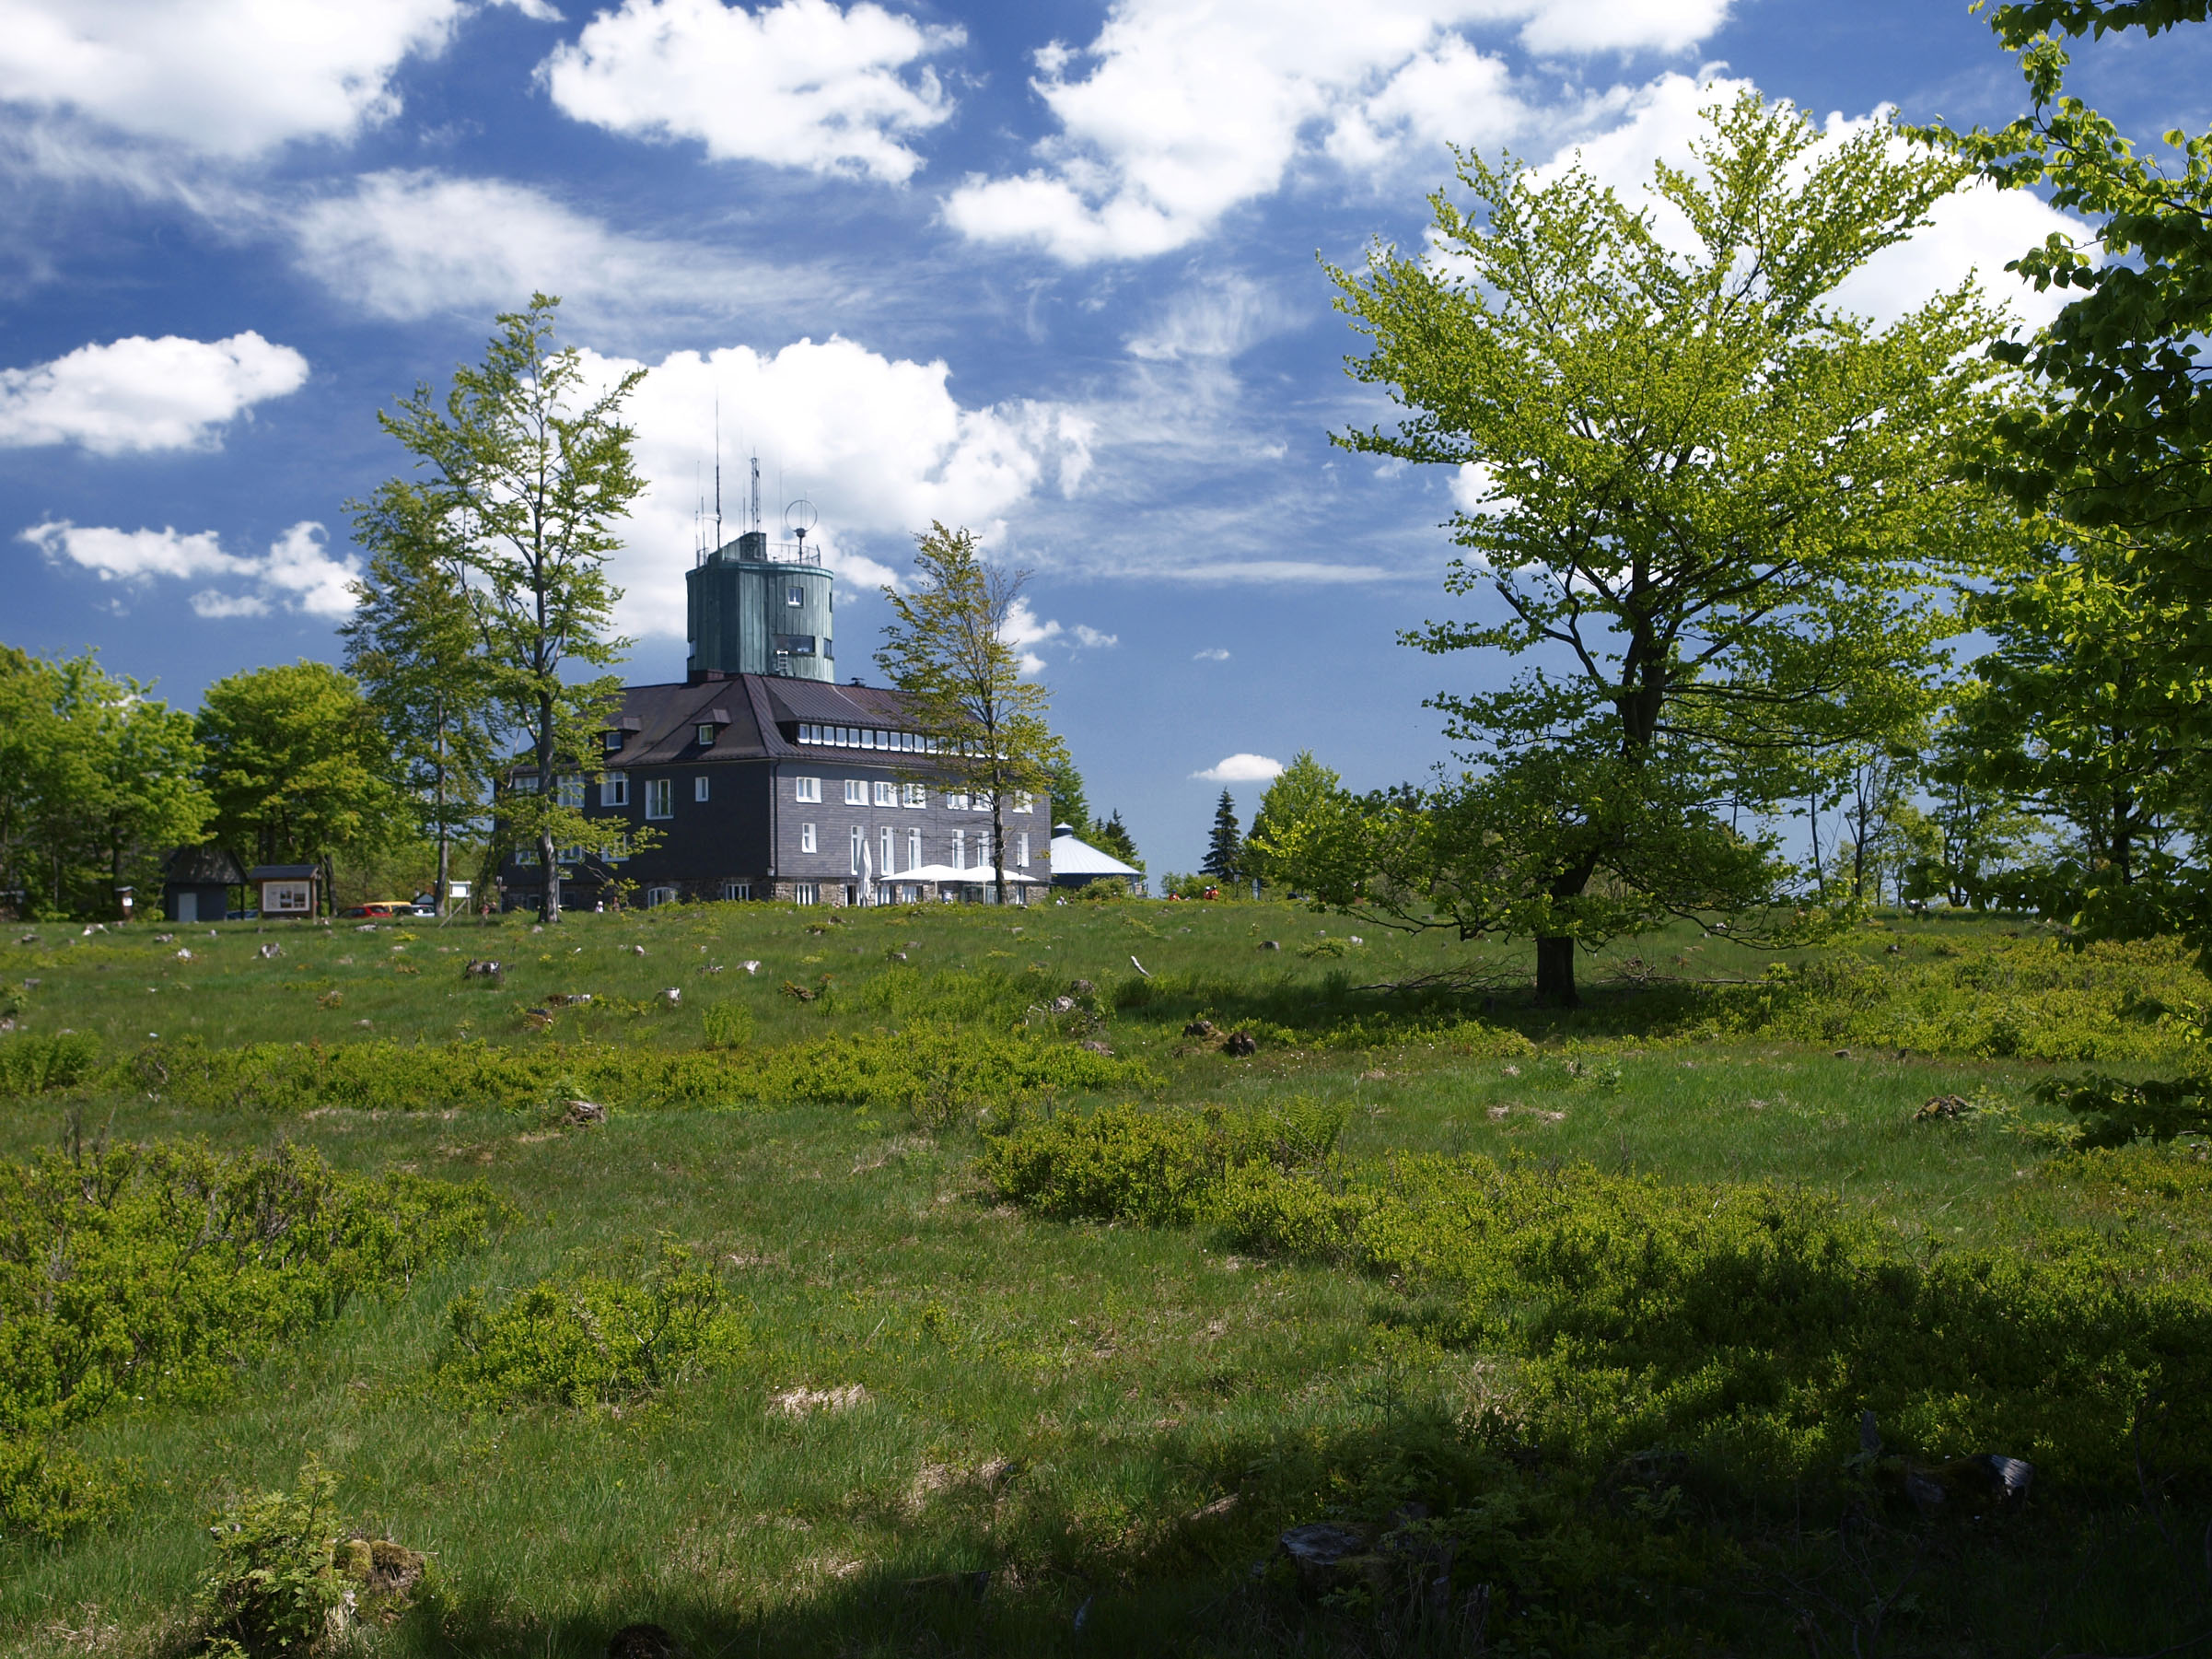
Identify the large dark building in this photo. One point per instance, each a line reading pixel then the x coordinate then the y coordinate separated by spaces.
pixel 762 777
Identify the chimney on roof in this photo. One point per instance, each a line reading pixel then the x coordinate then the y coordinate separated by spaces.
pixel 858 681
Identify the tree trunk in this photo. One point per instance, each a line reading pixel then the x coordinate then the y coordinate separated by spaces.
pixel 445 850
pixel 1555 973
pixel 998 843
pixel 549 905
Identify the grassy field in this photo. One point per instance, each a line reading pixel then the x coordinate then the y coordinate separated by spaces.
pixel 940 1412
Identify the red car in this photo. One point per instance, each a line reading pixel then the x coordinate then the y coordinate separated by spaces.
pixel 381 907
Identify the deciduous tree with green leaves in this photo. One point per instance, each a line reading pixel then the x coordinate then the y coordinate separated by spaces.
pixel 415 645
pixel 1299 790
pixel 1716 509
pixel 96 779
pixel 525 470
pixel 946 647
pixel 297 769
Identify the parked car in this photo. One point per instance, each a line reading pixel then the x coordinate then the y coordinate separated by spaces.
pixel 381 907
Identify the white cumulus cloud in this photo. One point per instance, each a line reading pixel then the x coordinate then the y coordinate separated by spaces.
pixel 801 84
pixel 1242 768
pixel 881 445
pixel 1182 110
pixel 1091 639
pixel 297 572
pixel 139 394
pixel 223 79
pixel 1213 653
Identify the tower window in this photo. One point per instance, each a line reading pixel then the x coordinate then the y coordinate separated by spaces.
pixel 795 595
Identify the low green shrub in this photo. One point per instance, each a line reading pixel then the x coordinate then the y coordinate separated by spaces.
pixel 33 1063
pixel 982 998
pixel 728 1025
pixel 1124 1162
pixel 48 1490
pixel 2114 1112
pixel 2032 999
pixel 1743 1327
pixel 917 1069
pixel 588 1340
pixel 157 1271
pixel 274 1591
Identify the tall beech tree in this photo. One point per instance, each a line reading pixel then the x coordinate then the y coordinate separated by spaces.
pixel 524 472
pixel 413 644
pixel 946 647
pixel 1715 508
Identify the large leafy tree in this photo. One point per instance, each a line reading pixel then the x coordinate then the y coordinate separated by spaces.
pixel 298 767
pixel 2076 719
pixel 1300 790
pixel 2097 694
pixel 947 647
pixel 96 779
pixel 1714 506
pixel 414 644
pixel 524 471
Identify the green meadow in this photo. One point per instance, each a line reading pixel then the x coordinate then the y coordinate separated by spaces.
pixel 949 1282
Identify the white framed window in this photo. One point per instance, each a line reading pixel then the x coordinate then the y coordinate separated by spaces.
pixel 1024 802
pixel 1021 851
pixel 960 849
pixel 699 789
pixel 795 595
pixel 913 794
pixel 287 898
pixel 858 840
pixel 612 741
pixel 957 803
pixel 656 896
pixel 572 791
pixel 661 798
pixel 571 855
pixel 855 791
pixel 527 784
pixel 913 849
pixel 806 789
pixel 887 858
pixel 706 734
pixel 805 893
pixel 614 789
pixel 616 851
pixel 887 794
pixel 736 892
pixel 527 856
pixel 805 842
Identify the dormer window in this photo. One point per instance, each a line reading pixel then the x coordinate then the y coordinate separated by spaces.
pixel 706 734
pixel 613 739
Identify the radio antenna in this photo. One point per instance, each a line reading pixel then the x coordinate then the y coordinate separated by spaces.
pixel 718 469
pixel 756 493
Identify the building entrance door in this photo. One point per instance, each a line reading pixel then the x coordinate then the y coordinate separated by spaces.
pixel 188 906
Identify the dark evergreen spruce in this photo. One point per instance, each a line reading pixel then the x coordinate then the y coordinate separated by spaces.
pixel 1225 849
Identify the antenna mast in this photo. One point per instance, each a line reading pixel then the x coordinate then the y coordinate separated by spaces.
pixel 756 492
pixel 718 469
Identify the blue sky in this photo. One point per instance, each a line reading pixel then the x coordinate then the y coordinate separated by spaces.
pixel 1047 270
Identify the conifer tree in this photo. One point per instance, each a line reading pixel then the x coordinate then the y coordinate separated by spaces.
pixel 1224 847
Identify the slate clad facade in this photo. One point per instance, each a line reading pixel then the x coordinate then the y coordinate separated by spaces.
pixel 756 785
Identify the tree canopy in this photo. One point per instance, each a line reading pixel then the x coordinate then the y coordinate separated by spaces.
pixel 1716 509
pixel 525 470
pixel 946 647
